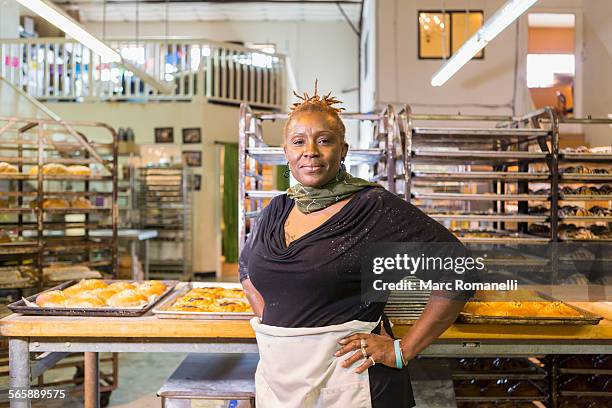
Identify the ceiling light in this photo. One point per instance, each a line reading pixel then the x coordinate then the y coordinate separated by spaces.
pixel 59 19
pixel 495 25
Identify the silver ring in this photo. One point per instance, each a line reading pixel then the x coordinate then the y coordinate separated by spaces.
pixel 372 360
pixel 363 343
pixel 363 353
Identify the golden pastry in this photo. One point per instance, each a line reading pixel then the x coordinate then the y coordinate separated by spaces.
pixel 53 298
pixel 127 298
pixel 119 286
pixel 8 168
pixel 50 169
pixel 80 202
pixel 78 170
pixel 89 302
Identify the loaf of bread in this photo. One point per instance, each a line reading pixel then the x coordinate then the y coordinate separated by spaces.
pixel 80 202
pixel 119 286
pixel 8 168
pixel 53 298
pixel 50 169
pixel 78 170
pixel 85 285
pixel 91 302
pixel 127 298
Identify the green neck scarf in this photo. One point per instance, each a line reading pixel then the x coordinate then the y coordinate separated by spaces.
pixel 311 199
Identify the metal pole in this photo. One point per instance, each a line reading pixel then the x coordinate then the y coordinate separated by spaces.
pixel 91 390
pixel 19 370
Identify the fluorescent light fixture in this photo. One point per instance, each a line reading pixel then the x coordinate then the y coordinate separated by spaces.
pixel 59 19
pixel 495 25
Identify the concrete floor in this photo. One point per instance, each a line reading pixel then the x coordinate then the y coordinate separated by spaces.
pixel 142 374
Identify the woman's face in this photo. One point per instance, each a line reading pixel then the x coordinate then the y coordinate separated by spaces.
pixel 314 147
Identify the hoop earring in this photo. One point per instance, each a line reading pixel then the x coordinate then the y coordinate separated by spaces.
pixel 287 172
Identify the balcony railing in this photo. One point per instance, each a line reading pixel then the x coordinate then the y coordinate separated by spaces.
pixel 154 69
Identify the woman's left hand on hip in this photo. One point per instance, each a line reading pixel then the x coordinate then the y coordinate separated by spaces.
pixel 378 350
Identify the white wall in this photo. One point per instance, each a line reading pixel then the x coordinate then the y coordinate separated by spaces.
pixel 486 86
pixel 9 19
pixel 324 50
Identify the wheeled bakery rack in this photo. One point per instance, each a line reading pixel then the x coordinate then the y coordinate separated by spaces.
pixel 383 156
pixel 478 177
pixel 165 205
pixel 42 234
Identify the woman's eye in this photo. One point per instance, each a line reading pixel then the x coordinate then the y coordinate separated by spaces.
pixel 298 142
pixel 323 141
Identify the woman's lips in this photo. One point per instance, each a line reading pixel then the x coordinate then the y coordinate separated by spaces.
pixel 311 167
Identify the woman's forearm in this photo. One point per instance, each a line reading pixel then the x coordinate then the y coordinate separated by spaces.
pixel 254 297
pixel 439 313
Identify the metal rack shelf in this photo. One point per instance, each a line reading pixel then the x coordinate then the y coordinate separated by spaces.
pixel 486 133
pixel 490 218
pixel 480 197
pixel 164 203
pixel 592 218
pixel 578 197
pixel 478 154
pixel 384 156
pixel 40 234
pixel 586 157
pixel 585 177
pixel 276 156
pixel 480 175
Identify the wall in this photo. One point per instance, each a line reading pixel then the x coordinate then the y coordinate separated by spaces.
pixel 324 50
pixel 9 19
pixel 487 86
pixel 218 123
pixel 558 40
pixel 597 57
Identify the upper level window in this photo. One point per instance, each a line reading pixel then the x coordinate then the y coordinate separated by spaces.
pixel 442 33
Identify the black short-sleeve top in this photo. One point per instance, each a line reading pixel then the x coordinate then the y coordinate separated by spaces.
pixel 316 280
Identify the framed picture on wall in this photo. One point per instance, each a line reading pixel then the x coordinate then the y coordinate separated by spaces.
pixel 197 182
pixel 192 158
pixel 192 135
pixel 164 135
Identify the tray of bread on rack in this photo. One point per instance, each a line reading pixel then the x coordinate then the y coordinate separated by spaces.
pixel 95 297
pixel 524 307
pixel 206 300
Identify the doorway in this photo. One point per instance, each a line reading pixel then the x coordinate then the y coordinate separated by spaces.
pixel 551 61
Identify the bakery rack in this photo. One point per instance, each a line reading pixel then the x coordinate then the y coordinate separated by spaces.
pixel 474 176
pixel 165 205
pixel 383 156
pixel 42 226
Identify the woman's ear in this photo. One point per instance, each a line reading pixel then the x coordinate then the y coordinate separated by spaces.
pixel 345 148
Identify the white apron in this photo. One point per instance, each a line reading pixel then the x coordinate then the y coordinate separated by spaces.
pixel 297 367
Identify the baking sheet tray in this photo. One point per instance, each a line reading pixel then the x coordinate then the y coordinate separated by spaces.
pixel 478 154
pixel 586 318
pixel 481 197
pixel 578 197
pixel 162 311
pixel 482 175
pixel 586 177
pixel 605 157
pixel 490 217
pixel 21 307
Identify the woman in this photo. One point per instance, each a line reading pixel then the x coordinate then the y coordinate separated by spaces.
pixel 320 344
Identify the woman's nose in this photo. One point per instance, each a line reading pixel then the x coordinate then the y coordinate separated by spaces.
pixel 311 149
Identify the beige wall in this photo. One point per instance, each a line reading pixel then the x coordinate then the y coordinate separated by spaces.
pixel 486 86
pixel 218 123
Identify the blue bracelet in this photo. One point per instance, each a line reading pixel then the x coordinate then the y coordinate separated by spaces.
pixel 398 354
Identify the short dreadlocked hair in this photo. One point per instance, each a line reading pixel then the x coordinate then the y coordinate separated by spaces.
pixel 317 103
